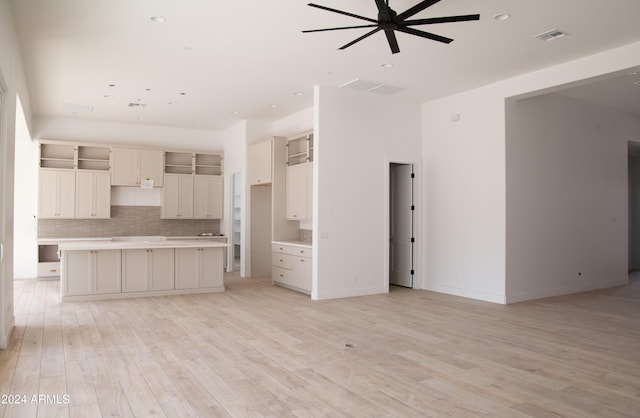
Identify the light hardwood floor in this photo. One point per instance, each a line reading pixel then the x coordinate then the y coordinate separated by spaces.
pixel 258 350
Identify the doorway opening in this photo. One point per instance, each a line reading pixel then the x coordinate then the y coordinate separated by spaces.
pixel 236 221
pixel 633 168
pixel 401 225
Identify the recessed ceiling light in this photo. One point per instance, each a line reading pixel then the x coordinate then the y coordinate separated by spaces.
pixel 272 106
pixel 107 96
pixel 235 112
pixel 188 48
pixel 158 19
pixel 173 103
pixel 502 17
pixel 140 118
pixel 386 65
pixel 298 93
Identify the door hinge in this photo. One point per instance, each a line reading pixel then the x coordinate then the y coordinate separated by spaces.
pixel 413 240
pixel 413 207
pixel 413 272
pixel 413 176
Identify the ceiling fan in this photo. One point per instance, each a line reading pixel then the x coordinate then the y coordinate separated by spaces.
pixel 390 21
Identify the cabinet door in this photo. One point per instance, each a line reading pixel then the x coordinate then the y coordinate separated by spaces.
pixel 107 271
pixel 57 194
pixel 48 194
pixel 302 273
pixel 125 167
pixel 134 270
pixel 161 269
pixel 102 194
pixel 186 268
pixel 260 163
pixel 296 197
pixel 93 195
pixel 177 197
pixel 208 192
pixel 76 269
pixel 152 166
pixel 210 263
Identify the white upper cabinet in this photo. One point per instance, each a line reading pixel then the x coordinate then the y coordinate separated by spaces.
pixel 177 197
pixel 93 195
pixel 299 191
pixel 131 166
pixel 57 194
pixel 208 191
pixel 260 163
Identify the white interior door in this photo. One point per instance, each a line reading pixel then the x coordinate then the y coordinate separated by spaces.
pixel 401 225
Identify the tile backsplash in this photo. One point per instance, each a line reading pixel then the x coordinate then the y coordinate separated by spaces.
pixel 126 221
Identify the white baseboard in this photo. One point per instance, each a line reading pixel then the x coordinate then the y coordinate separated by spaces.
pixel 466 293
pixel 566 290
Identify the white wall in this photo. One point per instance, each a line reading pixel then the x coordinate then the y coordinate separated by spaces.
pixel 12 83
pixel 294 124
pixel 465 193
pixel 25 260
pixel 567 220
pixel 464 197
pixel 86 130
pixel 357 134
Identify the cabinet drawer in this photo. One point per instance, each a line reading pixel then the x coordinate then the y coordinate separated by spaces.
pixel 282 260
pixel 48 269
pixel 280 248
pixel 281 275
pixel 301 251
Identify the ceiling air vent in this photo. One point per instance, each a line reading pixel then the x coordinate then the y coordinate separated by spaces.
pixel 551 35
pixel 140 105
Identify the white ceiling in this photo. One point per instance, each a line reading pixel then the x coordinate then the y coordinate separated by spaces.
pixel 245 55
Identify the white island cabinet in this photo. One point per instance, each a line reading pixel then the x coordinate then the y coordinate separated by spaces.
pixel 197 268
pixel 91 272
pixel 147 269
pixel 108 269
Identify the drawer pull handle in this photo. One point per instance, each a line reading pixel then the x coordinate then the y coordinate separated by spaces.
pixel 52 271
pixel 282 275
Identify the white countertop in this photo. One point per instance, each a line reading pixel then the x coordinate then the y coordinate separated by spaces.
pixel 294 243
pixel 124 244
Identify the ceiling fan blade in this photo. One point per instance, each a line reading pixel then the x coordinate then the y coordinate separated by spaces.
pixel 383 10
pixel 448 19
pixel 422 34
pixel 416 9
pixel 393 42
pixel 344 27
pixel 366 35
pixel 342 12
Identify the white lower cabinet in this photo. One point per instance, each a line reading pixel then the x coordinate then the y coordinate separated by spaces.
pixel 145 270
pixel 92 272
pixel 291 266
pixel 198 268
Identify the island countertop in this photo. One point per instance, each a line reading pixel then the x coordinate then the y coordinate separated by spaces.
pixel 125 244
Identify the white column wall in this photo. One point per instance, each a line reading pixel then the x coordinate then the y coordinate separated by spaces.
pixel 356 135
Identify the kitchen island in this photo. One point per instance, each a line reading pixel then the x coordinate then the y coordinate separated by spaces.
pixel 139 266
